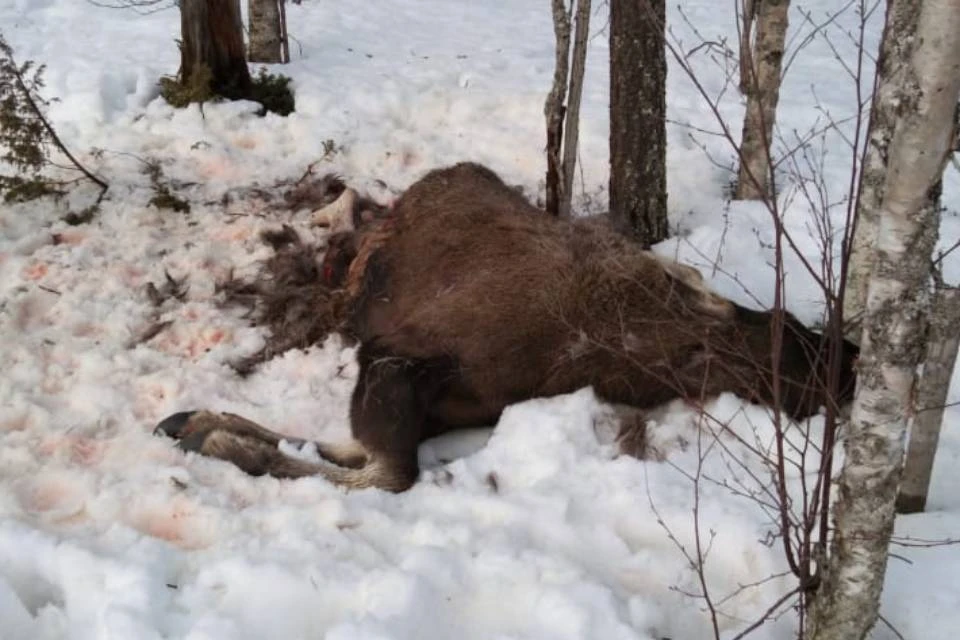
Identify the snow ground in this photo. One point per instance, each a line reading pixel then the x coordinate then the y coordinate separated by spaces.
pixel 540 532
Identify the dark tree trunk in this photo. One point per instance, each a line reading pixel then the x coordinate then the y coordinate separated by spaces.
pixel 212 38
pixel 266 31
pixel 554 110
pixel 638 109
pixel 285 35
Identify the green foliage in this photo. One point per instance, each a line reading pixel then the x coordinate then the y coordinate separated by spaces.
pixel 83 216
pixel 17 189
pixel 270 90
pixel 195 89
pixel 273 92
pixel 163 197
pixel 24 137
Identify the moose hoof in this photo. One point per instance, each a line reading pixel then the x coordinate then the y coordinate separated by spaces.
pixel 193 429
pixel 189 433
pixel 173 426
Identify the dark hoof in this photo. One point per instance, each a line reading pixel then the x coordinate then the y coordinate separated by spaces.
pixel 173 426
pixel 182 427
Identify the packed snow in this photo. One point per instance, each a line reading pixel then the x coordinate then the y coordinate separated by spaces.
pixel 536 529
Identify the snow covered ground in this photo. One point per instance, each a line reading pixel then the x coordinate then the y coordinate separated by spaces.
pixel 540 532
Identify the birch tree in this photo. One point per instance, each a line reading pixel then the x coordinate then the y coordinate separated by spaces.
pixel 266 31
pixel 888 84
pixel 760 68
pixel 553 108
pixel 846 605
pixel 638 110
pixel 563 122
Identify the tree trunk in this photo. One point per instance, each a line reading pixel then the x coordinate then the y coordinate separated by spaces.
pixel 554 110
pixel 266 31
pixel 943 343
pixel 571 132
pixel 901 18
pixel 846 605
pixel 762 88
pixel 638 133
pixel 563 123
pixel 285 37
pixel 212 39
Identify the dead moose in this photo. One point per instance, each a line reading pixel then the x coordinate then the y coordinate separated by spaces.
pixel 466 299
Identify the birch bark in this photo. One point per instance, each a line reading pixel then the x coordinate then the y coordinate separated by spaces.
pixel 846 605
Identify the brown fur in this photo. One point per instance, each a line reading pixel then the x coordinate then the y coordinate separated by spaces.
pixel 468 299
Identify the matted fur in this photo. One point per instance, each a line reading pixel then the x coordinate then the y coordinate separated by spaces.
pixel 289 297
pixel 296 295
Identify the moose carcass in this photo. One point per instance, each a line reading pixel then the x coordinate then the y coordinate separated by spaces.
pixel 466 299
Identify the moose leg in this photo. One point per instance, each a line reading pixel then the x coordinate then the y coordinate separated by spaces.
pixel 250 446
pixel 255 451
pixel 387 419
pixel 387 416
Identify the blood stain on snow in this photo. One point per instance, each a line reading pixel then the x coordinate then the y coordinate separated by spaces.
pixel 235 233
pixel 15 423
pixel 35 271
pixel 87 330
pixel 206 340
pixel 150 398
pixel 245 142
pixel 86 451
pixel 176 522
pixel 52 385
pixel 57 496
pixel 220 169
pixel 131 275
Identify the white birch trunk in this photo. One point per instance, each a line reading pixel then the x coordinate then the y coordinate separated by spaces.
pixel 762 87
pixel 571 133
pixel 266 31
pixel 901 19
pixel 846 605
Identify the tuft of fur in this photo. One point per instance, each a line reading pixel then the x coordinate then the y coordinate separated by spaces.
pixel 289 297
pixel 313 193
pixel 280 238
